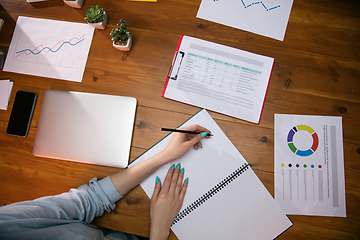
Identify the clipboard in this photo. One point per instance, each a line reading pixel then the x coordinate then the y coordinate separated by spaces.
pixel 219 78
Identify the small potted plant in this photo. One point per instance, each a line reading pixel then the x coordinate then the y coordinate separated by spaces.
pixel 96 17
pixel 74 3
pixel 121 37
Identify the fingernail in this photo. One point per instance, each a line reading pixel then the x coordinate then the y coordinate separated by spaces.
pixel 182 171
pixel 187 180
pixel 173 167
pixel 204 134
pixel 157 180
pixel 178 166
pixel 201 144
pixel 197 148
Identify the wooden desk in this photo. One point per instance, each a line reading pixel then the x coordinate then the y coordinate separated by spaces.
pixel 316 72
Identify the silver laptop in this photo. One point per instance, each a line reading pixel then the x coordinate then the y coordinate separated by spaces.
pixel 85 127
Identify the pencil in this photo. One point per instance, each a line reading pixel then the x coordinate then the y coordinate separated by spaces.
pixel 181 131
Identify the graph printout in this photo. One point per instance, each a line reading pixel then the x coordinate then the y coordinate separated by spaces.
pixel 267 17
pixel 49 48
pixel 309 165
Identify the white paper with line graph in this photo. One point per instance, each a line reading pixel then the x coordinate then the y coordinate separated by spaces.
pixel 49 48
pixel 267 17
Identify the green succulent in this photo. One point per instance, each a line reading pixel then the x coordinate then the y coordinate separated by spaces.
pixel 94 14
pixel 121 33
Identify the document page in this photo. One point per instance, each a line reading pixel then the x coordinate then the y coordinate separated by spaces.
pixel 309 165
pixel 5 92
pixel 36 49
pixel 219 78
pixel 267 17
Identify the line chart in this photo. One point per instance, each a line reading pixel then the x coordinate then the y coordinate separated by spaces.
pixel 49 48
pixel 29 51
pixel 256 3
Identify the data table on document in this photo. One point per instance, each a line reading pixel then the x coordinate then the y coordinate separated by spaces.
pixel 219 74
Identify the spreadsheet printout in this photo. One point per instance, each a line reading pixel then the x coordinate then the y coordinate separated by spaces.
pixel 219 78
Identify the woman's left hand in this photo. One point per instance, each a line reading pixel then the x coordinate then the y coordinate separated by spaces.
pixel 166 202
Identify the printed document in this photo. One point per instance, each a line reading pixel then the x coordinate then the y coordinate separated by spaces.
pixel 267 17
pixel 49 48
pixel 309 165
pixel 5 92
pixel 219 78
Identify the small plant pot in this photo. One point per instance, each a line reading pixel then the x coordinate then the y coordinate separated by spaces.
pixel 126 47
pixel 75 3
pixel 100 25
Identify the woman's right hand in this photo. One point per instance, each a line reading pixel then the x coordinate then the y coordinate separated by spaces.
pixel 180 143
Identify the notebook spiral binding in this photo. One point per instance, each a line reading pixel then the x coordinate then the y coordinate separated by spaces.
pixel 210 193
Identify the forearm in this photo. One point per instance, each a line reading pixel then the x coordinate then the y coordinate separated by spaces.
pixel 129 178
pixel 158 234
pixel 84 203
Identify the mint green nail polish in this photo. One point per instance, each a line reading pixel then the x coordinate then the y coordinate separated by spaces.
pixel 178 166
pixel 204 134
pixel 182 171
pixel 187 180
pixel 201 144
pixel 173 167
pixel 157 180
pixel 197 148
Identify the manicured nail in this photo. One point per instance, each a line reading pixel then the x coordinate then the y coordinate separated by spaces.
pixel 173 167
pixel 201 144
pixel 157 180
pixel 187 180
pixel 197 148
pixel 182 171
pixel 178 166
pixel 204 134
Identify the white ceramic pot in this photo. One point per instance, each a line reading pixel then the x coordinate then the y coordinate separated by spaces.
pixel 100 25
pixel 126 47
pixel 74 4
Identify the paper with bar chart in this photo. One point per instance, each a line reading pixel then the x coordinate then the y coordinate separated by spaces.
pixel 309 165
pixel 267 17
pixel 49 48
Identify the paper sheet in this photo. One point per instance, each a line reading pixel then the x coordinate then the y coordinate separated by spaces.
pixel 309 165
pixel 268 17
pixel 220 78
pixel 49 48
pixel 5 92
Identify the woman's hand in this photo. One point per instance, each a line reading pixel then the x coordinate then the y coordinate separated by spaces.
pixel 166 202
pixel 180 143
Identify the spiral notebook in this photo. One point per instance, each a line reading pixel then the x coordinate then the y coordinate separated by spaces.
pixel 225 199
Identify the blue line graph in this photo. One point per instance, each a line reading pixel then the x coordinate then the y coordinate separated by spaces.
pixel 29 51
pixel 256 3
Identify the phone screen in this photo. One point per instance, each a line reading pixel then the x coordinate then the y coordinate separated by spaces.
pixel 21 113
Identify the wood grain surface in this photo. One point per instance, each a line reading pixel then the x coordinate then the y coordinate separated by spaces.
pixel 316 72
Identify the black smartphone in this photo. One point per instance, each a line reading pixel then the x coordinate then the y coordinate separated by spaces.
pixel 21 113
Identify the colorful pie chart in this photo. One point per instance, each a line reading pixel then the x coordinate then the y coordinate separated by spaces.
pixel 294 149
